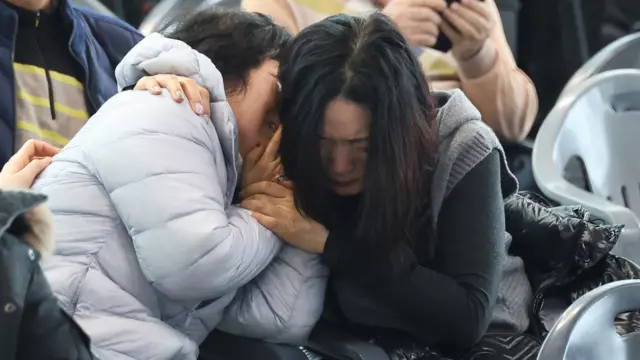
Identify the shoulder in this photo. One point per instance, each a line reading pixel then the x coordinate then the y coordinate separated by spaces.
pixel 460 153
pixel 109 28
pixel 133 113
pixel 465 147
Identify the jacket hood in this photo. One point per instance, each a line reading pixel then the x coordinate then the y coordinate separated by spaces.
pixel 456 108
pixel 157 54
pixel 24 214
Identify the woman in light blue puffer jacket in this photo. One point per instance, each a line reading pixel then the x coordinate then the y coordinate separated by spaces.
pixel 151 254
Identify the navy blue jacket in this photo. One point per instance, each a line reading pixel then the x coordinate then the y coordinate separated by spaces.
pixel 97 42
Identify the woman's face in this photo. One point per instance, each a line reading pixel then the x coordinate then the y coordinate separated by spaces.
pixel 343 145
pixel 255 108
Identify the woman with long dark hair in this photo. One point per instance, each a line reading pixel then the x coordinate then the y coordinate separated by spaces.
pixel 401 190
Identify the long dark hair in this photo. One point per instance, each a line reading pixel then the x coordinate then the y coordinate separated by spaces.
pixel 236 41
pixel 366 61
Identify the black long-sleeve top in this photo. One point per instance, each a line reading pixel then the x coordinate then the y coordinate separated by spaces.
pixel 447 299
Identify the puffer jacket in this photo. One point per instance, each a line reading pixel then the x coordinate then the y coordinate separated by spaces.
pixel 32 326
pixel 151 254
pixel 566 253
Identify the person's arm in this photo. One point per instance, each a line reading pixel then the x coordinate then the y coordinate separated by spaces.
pixel 279 10
pixel 291 288
pixel 452 305
pixel 165 174
pixel 503 93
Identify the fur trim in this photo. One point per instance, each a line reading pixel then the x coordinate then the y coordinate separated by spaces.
pixel 40 235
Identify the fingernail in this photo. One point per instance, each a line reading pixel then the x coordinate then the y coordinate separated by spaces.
pixel 199 109
pixel 455 6
pixel 180 95
pixel 156 89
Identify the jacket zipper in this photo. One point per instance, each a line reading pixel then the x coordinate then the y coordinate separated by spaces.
pixel 87 94
pixel 13 60
pixel 52 101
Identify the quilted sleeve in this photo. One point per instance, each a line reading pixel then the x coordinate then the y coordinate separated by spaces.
pixel 163 168
pixel 283 304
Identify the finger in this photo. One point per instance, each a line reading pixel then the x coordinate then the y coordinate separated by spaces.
pixel 474 19
pixel 171 83
pixel 253 156
pixel 262 204
pixel 450 32
pixel 33 169
pixel 424 15
pixel 150 84
pixel 479 7
pixel 22 157
pixel 428 28
pixel 278 174
pixel 422 40
pixel 269 222
pixel 206 101
pixel 269 188
pixel 192 92
pixel 437 5
pixel 271 152
pixel 285 183
pixel 44 149
pixel 462 25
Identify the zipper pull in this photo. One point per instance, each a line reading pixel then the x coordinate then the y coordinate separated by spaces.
pixel 38 19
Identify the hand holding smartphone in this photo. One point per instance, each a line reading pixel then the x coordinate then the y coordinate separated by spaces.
pixel 443 43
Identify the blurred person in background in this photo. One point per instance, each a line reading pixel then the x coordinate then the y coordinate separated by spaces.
pixel 480 61
pixel 57 66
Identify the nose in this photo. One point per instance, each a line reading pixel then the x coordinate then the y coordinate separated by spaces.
pixel 340 161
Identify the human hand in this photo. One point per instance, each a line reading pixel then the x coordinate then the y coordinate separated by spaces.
pixel 25 165
pixel 262 163
pixel 179 87
pixel 468 25
pixel 273 206
pixel 417 20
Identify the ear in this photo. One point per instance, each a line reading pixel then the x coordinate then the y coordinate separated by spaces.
pixel 40 235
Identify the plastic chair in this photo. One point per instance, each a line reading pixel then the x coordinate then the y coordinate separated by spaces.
pixel 585 331
pixel 599 121
pixel 623 53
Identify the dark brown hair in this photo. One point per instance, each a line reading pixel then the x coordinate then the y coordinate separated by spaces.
pixel 367 61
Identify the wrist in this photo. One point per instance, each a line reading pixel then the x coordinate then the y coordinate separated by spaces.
pixel 318 237
pixel 479 63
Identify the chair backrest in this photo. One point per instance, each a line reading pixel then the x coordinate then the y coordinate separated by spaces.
pixel 603 128
pixel 623 53
pixel 599 121
pixel 585 330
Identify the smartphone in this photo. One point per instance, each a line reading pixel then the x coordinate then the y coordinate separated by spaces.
pixel 443 43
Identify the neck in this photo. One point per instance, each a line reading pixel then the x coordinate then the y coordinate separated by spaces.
pixel 31 5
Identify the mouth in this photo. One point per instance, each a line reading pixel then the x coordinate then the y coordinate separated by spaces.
pixel 343 184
